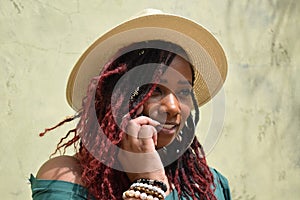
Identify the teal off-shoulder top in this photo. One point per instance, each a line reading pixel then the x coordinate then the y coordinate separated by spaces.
pixel 62 190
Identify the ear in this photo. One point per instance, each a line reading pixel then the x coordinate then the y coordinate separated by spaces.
pixel 140 110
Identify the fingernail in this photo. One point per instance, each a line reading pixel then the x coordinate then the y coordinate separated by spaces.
pixel 155 122
pixel 158 127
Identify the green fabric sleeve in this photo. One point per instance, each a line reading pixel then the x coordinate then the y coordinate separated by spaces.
pixel 56 190
pixel 222 186
pixel 62 190
pixel 222 191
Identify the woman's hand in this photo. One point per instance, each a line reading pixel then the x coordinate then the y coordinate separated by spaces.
pixel 138 155
pixel 141 134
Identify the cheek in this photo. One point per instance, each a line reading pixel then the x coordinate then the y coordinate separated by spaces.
pixel 150 109
pixel 185 113
pixel 146 108
pixel 186 108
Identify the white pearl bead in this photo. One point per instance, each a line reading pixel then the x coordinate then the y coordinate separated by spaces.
pixel 149 197
pixel 143 196
pixel 137 194
pixel 155 189
pixel 124 195
pixel 131 193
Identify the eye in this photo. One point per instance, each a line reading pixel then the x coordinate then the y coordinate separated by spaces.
pixel 157 91
pixel 185 92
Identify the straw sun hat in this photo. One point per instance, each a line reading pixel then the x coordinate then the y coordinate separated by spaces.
pixel 204 51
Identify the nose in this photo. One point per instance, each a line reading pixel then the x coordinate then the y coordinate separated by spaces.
pixel 170 105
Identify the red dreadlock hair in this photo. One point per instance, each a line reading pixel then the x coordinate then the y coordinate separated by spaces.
pixel 102 112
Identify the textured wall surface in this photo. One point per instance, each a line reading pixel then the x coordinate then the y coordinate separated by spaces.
pixel 258 150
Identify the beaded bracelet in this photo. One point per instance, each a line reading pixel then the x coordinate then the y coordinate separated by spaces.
pixel 146 189
pixel 160 184
pixel 138 194
pixel 149 189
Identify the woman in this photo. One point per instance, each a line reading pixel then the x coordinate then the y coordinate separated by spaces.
pixel 136 131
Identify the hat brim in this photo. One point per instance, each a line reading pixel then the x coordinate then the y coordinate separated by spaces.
pixel 204 51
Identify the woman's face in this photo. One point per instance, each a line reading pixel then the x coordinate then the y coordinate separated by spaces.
pixel 171 101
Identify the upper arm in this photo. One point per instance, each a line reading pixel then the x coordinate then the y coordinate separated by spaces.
pixel 65 168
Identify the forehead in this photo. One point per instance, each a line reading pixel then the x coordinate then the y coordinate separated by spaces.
pixel 179 71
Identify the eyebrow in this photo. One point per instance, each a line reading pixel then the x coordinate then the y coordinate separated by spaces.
pixel 181 82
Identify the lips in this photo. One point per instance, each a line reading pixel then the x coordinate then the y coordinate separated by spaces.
pixel 167 128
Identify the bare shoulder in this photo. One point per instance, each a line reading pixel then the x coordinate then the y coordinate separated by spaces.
pixel 65 168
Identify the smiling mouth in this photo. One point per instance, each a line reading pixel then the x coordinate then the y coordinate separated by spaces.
pixel 167 128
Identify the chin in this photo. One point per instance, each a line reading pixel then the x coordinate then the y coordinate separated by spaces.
pixel 162 142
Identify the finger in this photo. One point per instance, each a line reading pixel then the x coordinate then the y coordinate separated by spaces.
pixel 154 137
pixel 143 120
pixel 146 132
pixel 145 141
pixel 133 129
pixel 134 126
